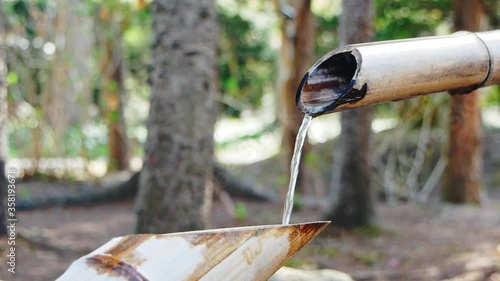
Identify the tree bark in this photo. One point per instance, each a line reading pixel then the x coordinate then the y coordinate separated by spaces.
pixel 296 56
pixel 352 201
pixel 3 124
pixel 179 145
pixel 115 117
pixel 464 169
pixel 113 88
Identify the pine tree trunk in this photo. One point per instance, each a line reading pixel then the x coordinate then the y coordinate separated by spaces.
pixel 352 202
pixel 296 56
pixel 464 170
pixel 114 92
pixel 113 87
pixel 3 124
pixel 179 145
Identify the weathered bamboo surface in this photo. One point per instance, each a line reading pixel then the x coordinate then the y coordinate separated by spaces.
pixel 364 74
pixel 245 253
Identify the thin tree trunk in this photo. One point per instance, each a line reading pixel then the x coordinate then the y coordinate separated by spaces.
pixel 352 202
pixel 34 98
pixel 3 124
pixel 464 170
pixel 179 145
pixel 113 90
pixel 296 56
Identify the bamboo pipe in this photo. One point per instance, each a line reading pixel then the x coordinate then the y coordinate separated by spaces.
pixel 364 74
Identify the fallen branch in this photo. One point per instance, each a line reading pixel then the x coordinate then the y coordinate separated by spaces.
pixel 433 180
pixel 125 186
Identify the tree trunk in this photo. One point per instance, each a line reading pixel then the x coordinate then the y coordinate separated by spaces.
pixel 113 89
pixel 296 55
pixel 352 202
pixel 464 170
pixel 3 124
pixel 179 145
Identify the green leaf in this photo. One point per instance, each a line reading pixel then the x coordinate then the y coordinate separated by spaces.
pixel 241 211
pixel 12 78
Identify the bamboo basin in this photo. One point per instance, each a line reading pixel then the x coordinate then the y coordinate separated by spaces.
pixel 244 253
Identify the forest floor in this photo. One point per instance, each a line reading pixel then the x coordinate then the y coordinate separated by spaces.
pixel 410 241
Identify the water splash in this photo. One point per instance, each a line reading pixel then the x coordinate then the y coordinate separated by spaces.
pixel 294 168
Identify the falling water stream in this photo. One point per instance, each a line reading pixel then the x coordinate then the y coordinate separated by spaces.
pixel 294 168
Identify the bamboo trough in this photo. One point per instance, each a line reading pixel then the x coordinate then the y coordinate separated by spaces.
pixel 244 253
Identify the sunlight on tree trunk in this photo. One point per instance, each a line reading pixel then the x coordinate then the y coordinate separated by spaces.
pixel 179 145
pixel 352 202
pixel 295 59
pixel 3 124
pixel 464 170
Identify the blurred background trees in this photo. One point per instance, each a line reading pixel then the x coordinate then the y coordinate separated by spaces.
pixel 78 92
pixel 352 196
pixel 296 56
pixel 3 126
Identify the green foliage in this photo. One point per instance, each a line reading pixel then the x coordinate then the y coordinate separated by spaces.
pixel 240 211
pixel 281 180
pixel 369 258
pixel 371 231
pixel 326 251
pixel 493 11
pixel 300 263
pixel 12 78
pixel 326 34
pixel 246 61
pixel 298 202
pixel 491 97
pixel 409 18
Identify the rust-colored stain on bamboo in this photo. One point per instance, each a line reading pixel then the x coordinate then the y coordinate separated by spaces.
pixel 114 267
pixel 128 244
pixel 302 234
pixel 227 242
pixel 117 259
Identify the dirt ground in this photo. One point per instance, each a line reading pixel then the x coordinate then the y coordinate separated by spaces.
pixel 412 241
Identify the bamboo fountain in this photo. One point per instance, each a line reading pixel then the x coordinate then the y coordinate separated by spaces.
pixel 348 77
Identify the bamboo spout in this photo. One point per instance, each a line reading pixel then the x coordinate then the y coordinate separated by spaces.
pixel 364 74
pixel 246 253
